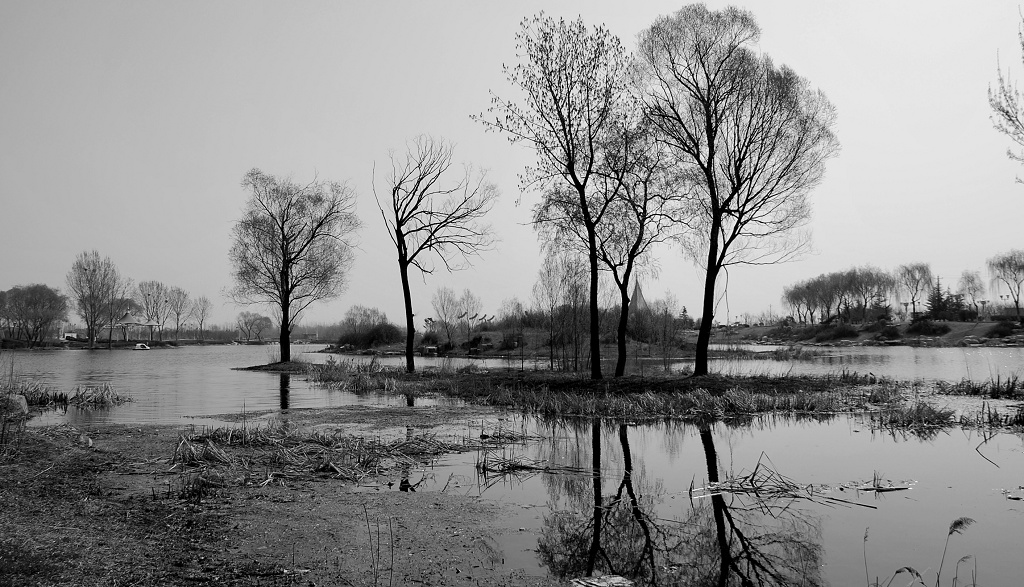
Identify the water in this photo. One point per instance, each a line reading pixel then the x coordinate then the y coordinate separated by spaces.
pixel 808 541
pixel 898 362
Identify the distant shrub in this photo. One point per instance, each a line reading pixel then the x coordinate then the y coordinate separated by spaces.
pixel 1000 330
pixel 836 332
pixel 928 328
pixel 889 332
pixel 371 336
pixel 430 339
pixel 876 326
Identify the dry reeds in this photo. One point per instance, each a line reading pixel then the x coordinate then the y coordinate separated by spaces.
pixel 767 486
pixel 920 418
pixel 85 396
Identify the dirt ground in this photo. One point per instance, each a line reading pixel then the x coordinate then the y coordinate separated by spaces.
pixel 102 506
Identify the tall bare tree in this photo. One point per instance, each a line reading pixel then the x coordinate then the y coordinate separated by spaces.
pixel 292 246
pixel 913 281
pixel 1007 269
pixel 573 80
pixel 201 310
pixel 179 304
pixel 751 138
pixel 153 297
pixel 446 308
pixel 435 211
pixel 96 286
pixel 469 306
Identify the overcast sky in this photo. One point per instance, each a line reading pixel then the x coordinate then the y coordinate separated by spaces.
pixel 126 127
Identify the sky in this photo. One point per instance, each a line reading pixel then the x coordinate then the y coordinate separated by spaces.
pixel 126 127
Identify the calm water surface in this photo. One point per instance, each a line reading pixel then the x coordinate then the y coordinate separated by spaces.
pixel 652 529
pixel 640 476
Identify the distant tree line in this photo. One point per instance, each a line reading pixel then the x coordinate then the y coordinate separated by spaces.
pixel 867 293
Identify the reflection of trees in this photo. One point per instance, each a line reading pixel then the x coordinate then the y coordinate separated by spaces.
pixel 284 387
pixel 724 540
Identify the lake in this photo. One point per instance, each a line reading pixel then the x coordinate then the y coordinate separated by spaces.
pixel 806 522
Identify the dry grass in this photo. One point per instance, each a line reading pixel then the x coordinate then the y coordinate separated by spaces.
pixel 102 396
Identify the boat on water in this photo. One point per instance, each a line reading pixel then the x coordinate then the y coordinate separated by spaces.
pixel 141 346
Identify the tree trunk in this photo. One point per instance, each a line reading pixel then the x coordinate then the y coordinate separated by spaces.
pixel 595 316
pixel 700 364
pixel 410 325
pixel 620 338
pixel 286 320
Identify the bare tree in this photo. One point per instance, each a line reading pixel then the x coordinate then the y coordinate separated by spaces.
pixel 469 306
pixel 972 288
pixel 201 311
pixel 154 299
pixel 913 283
pixel 641 216
pixel 253 324
pixel 292 246
pixel 751 138
pixel 446 308
pixel 1008 269
pixel 574 79
pixel 1007 110
pixel 179 304
pixel 430 214
pixel 548 294
pixel 96 287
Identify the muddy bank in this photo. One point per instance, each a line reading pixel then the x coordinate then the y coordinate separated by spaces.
pixel 112 505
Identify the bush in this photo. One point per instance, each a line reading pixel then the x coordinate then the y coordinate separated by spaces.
pixel 836 332
pixel 1004 328
pixel 430 339
pixel 376 335
pixel 889 332
pixel 876 326
pixel 928 328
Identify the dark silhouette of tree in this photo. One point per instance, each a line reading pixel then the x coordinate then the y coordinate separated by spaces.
pixel 32 310
pixel 574 80
pixel 292 246
pixel 430 214
pixel 751 139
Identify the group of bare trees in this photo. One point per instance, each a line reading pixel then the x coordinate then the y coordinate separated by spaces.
pixel 454 314
pixel 102 297
pixel 863 293
pixel 697 136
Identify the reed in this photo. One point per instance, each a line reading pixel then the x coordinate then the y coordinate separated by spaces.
pixel 957 526
pixel 1011 387
pixel 919 417
pixel 102 396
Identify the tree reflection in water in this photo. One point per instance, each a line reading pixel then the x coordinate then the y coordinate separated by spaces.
pixel 285 384
pixel 722 540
